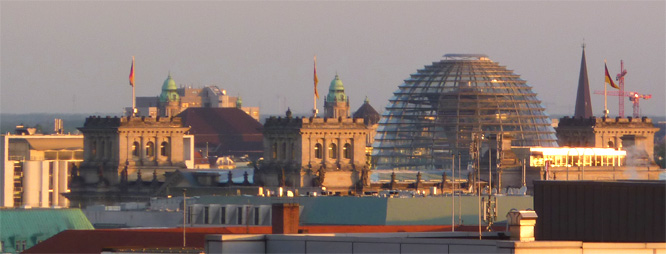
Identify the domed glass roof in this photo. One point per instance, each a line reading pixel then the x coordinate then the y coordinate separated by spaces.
pixel 434 112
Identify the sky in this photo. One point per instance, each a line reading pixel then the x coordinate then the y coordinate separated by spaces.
pixel 75 57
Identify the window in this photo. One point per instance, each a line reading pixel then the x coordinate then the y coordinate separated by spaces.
pixel 317 151
pixel 189 215
pixel 292 151
pixel 164 149
pixel 256 216
pixel 240 216
pixel 284 151
pixel 205 215
pixel 135 149
pixel 150 149
pixel 332 151
pixel 274 151
pixel 93 150
pixel 347 151
pixel 223 215
pixel 102 151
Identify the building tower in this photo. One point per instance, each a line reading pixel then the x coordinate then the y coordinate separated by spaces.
pixel 117 151
pixel 583 103
pixel 169 98
pixel 315 153
pixel 336 104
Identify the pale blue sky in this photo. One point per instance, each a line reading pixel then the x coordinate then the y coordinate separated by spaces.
pixel 74 57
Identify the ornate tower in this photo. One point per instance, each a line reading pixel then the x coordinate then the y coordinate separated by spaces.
pixel 337 103
pixel 583 103
pixel 169 98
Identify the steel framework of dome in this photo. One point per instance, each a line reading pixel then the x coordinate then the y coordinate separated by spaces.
pixel 434 113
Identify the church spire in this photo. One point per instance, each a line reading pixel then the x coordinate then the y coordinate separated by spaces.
pixel 583 102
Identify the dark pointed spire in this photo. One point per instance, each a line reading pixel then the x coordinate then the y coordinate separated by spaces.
pixel 583 102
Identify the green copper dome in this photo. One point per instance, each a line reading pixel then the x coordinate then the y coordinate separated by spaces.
pixel 169 90
pixel 336 92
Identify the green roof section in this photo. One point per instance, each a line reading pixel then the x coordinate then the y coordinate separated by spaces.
pixel 169 92
pixel 19 227
pixel 336 91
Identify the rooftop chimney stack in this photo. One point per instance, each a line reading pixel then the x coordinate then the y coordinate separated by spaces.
pixel 284 218
pixel 521 224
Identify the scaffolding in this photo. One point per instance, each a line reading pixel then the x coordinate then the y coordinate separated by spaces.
pixel 434 113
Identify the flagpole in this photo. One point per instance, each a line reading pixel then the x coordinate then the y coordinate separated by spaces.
pixel 605 96
pixel 605 102
pixel 133 113
pixel 315 95
pixel 133 102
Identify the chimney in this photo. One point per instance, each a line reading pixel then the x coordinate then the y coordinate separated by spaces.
pixel 521 224
pixel 284 218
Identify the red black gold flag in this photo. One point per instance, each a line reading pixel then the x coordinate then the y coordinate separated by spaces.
pixel 316 80
pixel 131 76
pixel 609 80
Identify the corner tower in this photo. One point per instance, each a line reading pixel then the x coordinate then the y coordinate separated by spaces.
pixel 337 103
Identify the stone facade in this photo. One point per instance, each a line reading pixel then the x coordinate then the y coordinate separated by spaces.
pixel 635 135
pixel 314 152
pixel 118 151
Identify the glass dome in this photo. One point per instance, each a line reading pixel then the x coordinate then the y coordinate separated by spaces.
pixel 434 112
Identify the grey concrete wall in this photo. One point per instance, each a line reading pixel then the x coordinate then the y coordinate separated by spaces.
pixel 409 243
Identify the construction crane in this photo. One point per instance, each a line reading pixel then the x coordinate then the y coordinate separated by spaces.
pixel 635 97
pixel 621 93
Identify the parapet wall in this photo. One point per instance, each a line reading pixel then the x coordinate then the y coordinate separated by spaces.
pixel 128 121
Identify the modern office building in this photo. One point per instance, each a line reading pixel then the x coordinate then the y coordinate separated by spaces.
pixel 436 111
pixel 36 169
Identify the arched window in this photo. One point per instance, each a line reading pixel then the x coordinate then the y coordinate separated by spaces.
pixel 135 149
pixel 93 150
pixel 318 151
pixel 274 151
pixel 164 149
pixel 292 156
pixel 102 151
pixel 150 149
pixel 347 151
pixel 284 151
pixel 332 151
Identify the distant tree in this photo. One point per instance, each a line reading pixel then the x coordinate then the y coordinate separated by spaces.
pixel 40 129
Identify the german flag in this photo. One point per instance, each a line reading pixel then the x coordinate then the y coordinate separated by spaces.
pixel 131 76
pixel 609 80
pixel 316 80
